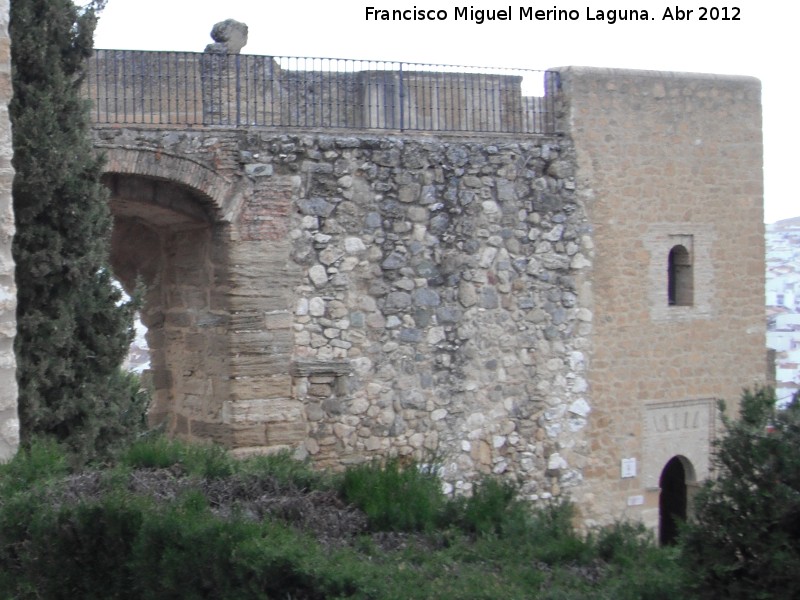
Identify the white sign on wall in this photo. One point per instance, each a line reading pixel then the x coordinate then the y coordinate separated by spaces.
pixel 628 468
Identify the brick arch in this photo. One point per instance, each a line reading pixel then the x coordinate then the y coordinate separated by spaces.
pixel 222 194
pixel 170 233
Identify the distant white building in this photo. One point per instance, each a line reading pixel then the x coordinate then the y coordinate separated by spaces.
pixel 781 341
pixel 788 322
pixel 782 295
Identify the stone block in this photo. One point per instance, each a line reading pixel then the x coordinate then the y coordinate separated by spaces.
pixel 271 410
pixel 249 436
pixel 217 433
pixel 265 387
pixel 288 433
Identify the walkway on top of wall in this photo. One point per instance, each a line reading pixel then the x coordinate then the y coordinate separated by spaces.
pixel 189 89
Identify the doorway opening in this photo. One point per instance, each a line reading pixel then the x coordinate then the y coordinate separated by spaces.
pixel 676 481
pixel 165 238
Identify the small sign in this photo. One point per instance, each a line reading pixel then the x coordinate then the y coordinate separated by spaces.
pixel 628 468
pixel 635 500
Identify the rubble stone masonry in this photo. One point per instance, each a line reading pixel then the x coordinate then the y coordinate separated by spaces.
pixel 561 309
pixel 382 295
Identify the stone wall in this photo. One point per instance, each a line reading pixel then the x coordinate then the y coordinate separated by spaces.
pixel 392 295
pixel 498 304
pixel 447 274
pixel 666 159
pixel 9 421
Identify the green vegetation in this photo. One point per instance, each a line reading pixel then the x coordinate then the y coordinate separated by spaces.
pixel 73 327
pixel 394 498
pixel 745 540
pixel 168 520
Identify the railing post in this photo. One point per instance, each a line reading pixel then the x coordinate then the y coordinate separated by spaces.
pixel 238 92
pixel 402 95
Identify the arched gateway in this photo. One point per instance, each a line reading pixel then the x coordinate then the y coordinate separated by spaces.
pixel 216 277
pixel 673 501
pixel 168 239
pixel 170 236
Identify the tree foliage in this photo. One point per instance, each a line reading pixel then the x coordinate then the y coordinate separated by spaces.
pixel 745 539
pixel 74 328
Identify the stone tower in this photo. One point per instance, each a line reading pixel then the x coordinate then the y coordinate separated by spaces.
pixel 669 166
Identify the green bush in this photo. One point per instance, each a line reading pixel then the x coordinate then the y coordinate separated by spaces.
pixel 159 452
pixel 86 535
pixel 395 498
pixel 81 551
pixel 41 460
pixel 553 536
pixel 493 508
pixel 622 542
pixel 123 547
pixel 634 567
pixel 156 452
pixel 287 472
pixel 744 541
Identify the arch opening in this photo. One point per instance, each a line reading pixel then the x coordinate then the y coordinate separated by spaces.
pixel 166 240
pixel 676 481
pixel 680 277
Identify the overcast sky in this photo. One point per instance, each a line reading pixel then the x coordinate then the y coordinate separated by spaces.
pixel 763 42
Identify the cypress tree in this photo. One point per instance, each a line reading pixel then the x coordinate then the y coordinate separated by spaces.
pixel 74 327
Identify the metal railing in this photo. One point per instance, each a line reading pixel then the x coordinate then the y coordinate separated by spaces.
pixel 236 90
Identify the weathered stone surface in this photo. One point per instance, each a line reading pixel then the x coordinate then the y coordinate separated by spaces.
pixel 643 360
pixel 230 36
pixel 496 300
pixel 9 421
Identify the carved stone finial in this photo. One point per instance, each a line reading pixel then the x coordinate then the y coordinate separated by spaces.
pixel 230 37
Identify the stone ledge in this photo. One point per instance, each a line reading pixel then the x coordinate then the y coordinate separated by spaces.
pixel 307 368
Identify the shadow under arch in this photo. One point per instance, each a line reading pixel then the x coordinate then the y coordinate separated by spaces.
pixel 677 479
pixel 219 193
pixel 171 238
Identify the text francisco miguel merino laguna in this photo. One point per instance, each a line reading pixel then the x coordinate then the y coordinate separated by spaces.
pixel 530 13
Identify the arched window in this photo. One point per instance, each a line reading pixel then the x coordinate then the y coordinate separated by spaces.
pixel 680 280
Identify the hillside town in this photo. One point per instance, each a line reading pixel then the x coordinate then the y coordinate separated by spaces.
pixel 783 304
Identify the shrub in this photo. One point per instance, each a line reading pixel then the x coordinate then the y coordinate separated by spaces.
pixel 745 539
pixel 493 508
pixel 89 535
pixel 159 452
pixel 41 460
pixel 126 548
pixel 395 498
pixel 286 471
pixel 634 567
pixel 553 536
